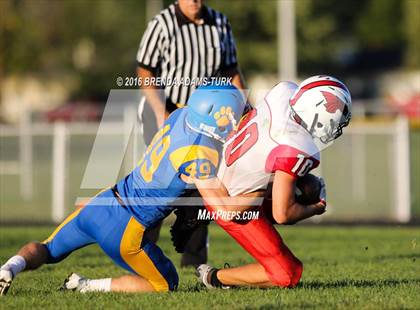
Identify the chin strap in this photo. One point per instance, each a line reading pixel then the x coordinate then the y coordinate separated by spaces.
pixel 205 132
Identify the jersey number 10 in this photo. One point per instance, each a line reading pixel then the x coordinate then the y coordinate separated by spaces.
pixel 303 164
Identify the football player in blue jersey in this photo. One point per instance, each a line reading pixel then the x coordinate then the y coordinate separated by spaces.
pixel 185 150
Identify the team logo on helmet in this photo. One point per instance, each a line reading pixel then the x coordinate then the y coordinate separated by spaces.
pixel 333 103
pixel 224 116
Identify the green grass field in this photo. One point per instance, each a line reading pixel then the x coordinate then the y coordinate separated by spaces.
pixel 344 268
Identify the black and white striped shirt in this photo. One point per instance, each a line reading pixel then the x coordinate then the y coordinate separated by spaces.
pixel 174 47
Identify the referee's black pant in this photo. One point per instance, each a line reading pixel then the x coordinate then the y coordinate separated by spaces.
pixel 195 252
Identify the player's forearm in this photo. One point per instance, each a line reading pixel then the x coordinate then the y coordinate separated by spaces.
pixel 295 213
pixel 237 78
pixel 220 202
pixel 153 94
pixel 216 195
pixel 219 206
pixel 285 209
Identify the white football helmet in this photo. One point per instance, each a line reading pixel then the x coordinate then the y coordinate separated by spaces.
pixel 322 105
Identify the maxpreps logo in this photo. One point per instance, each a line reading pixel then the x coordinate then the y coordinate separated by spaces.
pixel 333 103
pixel 211 215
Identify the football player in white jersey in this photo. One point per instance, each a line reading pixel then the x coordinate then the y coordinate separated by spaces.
pixel 279 140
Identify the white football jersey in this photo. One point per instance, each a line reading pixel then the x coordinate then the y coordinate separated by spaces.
pixel 267 140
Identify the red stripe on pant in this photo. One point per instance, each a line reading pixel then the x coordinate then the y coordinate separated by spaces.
pixel 262 241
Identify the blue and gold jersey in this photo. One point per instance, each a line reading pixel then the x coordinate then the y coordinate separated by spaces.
pixel 156 182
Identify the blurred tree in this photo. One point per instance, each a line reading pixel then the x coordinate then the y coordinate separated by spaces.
pixel 317 35
pixel 254 26
pixel 378 24
pixel 44 37
pixel 412 33
pixel 333 36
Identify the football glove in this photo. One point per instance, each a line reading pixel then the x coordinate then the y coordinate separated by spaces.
pixel 185 224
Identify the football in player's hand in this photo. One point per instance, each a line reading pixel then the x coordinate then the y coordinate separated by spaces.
pixel 308 189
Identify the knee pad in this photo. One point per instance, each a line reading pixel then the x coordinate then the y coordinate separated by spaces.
pixel 162 273
pixel 284 274
pixel 164 286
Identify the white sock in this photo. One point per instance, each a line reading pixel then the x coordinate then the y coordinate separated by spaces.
pixel 99 285
pixel 16 264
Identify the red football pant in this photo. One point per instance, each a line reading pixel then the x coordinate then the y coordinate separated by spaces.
pixel 260 239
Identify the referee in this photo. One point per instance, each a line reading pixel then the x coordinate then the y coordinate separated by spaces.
pixel 185 42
